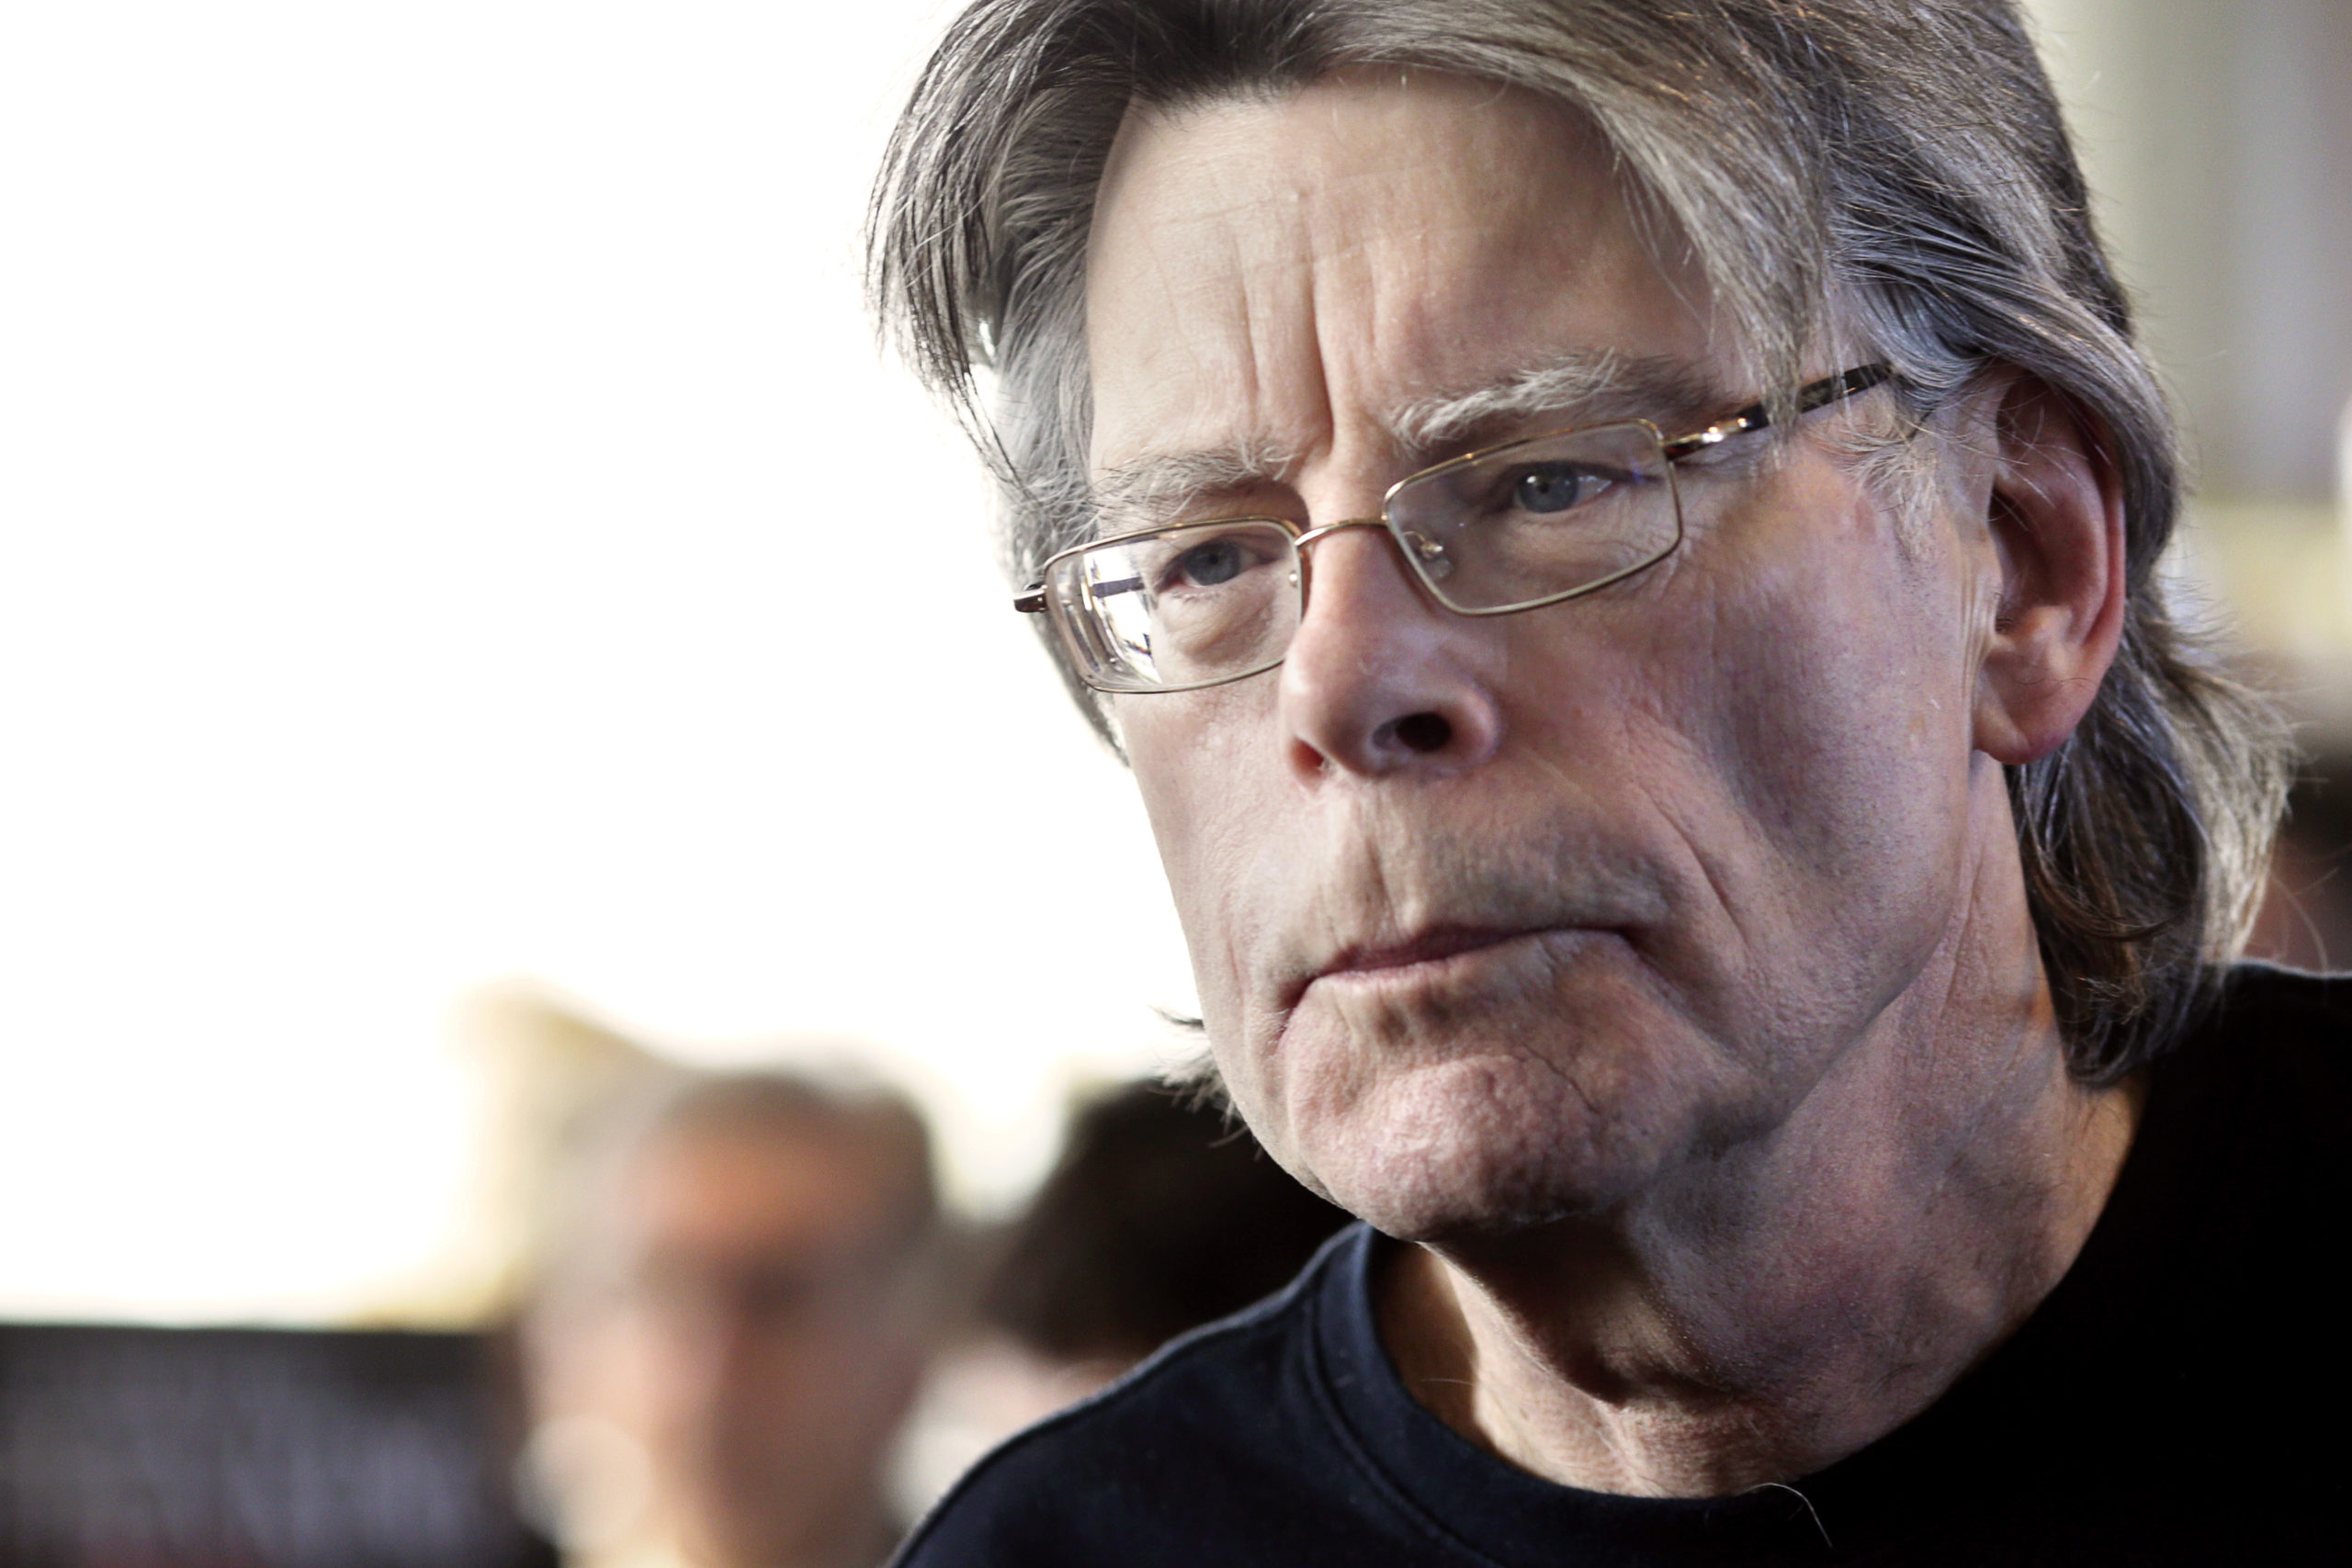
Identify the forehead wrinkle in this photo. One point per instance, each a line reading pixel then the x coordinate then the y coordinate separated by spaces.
pixel 1580 384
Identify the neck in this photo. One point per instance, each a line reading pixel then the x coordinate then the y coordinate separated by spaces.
pixel 1790 1301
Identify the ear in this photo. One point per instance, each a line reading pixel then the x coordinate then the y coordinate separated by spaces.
pixel 2055 510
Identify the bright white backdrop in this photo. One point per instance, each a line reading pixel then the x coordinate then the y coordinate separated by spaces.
pixel 454 526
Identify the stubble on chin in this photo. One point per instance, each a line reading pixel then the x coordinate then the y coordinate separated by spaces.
pixel 1513 1099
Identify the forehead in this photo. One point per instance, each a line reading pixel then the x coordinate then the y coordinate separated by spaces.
pixel 1280 278
pixel 721 1186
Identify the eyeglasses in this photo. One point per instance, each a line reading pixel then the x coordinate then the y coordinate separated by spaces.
pixel 1529 522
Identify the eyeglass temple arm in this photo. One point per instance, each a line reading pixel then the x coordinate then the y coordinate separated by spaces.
pixel 1030 601
pixel 1810 396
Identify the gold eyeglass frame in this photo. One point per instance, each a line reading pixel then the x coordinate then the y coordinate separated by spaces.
pixel 1033 600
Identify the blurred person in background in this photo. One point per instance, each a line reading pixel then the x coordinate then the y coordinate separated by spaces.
pixel 1162 1214
pixel 727 1328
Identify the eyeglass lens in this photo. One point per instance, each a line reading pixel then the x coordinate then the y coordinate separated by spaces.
pixel 1184 607
pixel 1524 525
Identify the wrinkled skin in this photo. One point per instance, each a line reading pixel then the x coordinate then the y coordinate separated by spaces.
pixel 1610 940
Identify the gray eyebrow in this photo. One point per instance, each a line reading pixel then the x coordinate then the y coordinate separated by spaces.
pixel 1148 487
pixel 1578 386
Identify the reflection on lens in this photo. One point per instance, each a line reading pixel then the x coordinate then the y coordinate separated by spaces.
pixel 1188 607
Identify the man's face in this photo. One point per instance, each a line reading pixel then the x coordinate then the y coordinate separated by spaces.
pixel 754 1340
pixel 1496 919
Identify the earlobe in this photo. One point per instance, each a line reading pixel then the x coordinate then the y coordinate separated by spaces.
pixel 2056 511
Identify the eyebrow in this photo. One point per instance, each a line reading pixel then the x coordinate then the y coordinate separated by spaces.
pixel 1150 486
pixel 1578 388
pixel 1581 387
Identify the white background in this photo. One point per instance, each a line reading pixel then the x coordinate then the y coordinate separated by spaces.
pixel 455 527
pixel 454 524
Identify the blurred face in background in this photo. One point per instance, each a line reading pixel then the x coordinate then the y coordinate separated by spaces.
pixel 750 1327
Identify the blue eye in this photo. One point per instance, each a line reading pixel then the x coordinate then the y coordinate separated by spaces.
pixel 1556 487
pixel 1211 565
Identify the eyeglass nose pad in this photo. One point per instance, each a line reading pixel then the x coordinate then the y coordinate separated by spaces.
pixel 1434 560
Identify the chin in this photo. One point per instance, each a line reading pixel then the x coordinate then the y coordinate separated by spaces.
pixel 1478 1147
pixel 1533 1084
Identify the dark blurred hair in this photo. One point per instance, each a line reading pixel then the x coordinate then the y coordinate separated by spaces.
pixel 1163 1214
pixel 1891 172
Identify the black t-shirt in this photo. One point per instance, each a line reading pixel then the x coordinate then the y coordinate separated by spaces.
pixel 2179 1398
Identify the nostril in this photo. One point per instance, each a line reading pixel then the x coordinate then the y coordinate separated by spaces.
pixel 1422 732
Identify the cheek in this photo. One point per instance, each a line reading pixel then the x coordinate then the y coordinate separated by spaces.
pixel 1199 766
pixel 1857 686
pixel 1826 691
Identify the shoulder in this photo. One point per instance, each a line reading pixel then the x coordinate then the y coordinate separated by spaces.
pixel 2320 1003
pixel 1201 1454
pixel 2277 1041
pixel 2245 1123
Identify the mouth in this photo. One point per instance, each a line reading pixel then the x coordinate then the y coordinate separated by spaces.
pixel 1427 952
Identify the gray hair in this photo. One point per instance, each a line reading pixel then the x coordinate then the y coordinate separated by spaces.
pixel 1894 171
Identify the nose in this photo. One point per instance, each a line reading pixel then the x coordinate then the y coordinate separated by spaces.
pixel 1380 679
